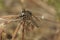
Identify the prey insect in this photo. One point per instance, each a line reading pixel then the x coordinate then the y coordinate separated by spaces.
pixel 25 19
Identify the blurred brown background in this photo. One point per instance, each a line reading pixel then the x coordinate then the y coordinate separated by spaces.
pixel 50 9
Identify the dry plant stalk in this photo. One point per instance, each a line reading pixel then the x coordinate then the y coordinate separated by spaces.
pixel 16 30
pixel 1 31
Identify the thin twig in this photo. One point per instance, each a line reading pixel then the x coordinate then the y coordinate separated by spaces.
pixel 23 31
pixel 14 34
pixel 9 16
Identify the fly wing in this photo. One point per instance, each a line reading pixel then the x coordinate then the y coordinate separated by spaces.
pixel 46 19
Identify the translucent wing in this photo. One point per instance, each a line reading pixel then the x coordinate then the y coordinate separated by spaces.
pixel 46 19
